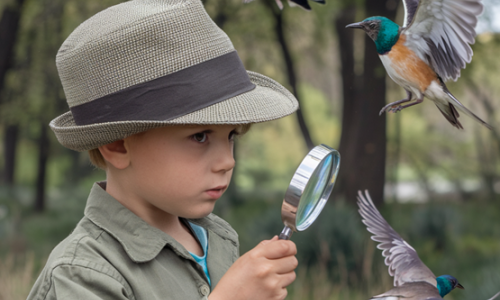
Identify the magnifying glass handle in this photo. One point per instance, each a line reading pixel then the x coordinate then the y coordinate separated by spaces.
pixel 286 233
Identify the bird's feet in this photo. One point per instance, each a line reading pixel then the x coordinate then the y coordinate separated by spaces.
pixel 391 108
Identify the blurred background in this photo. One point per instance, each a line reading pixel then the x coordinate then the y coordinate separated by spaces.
pixel 439 187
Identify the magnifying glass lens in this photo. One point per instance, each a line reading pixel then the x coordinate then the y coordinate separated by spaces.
pixel 311 201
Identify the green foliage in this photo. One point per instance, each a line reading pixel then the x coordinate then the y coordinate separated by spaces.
pixel 20 227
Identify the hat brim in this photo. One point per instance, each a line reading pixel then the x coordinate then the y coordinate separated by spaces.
pixel 268 101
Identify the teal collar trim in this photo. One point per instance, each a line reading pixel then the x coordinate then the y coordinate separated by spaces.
pixel 201 234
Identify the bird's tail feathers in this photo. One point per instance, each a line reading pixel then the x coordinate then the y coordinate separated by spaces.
pixel 462 108
pixel 450 113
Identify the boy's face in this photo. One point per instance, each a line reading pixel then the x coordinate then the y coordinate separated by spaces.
pixel 180 170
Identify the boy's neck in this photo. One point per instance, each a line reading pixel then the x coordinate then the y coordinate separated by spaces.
pixel 157 218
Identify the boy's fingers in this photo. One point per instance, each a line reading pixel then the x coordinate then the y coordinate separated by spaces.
pixel 286 265
pixel 275 238
pixel 275 249
pixel 288 278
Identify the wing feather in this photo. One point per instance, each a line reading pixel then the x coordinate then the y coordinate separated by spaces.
pixel 441 33
pixel 411 7
pixel 402 260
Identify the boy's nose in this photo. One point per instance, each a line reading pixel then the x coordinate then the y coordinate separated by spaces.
pixel 224 161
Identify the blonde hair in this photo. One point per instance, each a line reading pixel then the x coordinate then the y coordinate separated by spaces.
pixel 97 160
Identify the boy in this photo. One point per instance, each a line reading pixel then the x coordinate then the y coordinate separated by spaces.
pixel 156 94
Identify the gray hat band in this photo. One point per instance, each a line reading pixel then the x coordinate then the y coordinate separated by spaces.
pixel 170 96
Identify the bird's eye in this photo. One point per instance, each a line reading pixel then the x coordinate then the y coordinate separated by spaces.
pixel 200 137
pixel 372 25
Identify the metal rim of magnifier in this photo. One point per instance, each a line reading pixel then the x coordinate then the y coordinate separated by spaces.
pixel 299 182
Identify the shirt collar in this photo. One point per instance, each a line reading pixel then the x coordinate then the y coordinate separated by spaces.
pixel 141 241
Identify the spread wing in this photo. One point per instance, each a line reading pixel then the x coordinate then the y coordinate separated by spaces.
pixel 412 290
pixel 402 260
pixel 441 32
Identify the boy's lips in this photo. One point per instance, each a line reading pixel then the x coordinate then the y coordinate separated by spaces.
pixel 217 191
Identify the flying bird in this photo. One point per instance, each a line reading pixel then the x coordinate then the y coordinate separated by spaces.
pixel 413 280
pixel 432 47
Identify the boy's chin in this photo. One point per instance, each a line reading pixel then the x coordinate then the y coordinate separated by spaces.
pixel 200 214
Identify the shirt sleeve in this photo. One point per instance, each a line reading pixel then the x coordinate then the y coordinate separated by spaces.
pixel 78 283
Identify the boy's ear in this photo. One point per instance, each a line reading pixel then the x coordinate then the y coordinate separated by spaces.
pixel 116 154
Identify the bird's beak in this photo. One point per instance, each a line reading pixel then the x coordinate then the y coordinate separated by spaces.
pixel 355 25
pixel 460 286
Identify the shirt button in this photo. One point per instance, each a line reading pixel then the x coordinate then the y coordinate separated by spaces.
pixel 204 290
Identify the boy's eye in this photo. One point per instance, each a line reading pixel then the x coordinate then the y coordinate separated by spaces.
pixel 200 137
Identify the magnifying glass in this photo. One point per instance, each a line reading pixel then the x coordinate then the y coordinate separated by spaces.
pixel 309 189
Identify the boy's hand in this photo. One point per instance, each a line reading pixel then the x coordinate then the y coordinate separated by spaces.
pixel 262 273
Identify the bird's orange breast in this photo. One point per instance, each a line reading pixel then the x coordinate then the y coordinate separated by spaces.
pixel 409 66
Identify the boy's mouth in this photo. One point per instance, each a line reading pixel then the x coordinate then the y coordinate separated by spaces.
pixel 217 191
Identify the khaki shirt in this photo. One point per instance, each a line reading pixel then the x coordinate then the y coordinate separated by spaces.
pixel 114 254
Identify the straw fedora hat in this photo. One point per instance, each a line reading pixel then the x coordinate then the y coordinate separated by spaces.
pixel 150 63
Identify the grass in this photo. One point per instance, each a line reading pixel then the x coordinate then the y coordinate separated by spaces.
pixel 17 275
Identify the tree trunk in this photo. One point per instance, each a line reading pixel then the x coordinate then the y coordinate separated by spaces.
pixel 363 139
pixel 290 68
pixel 10 143
pixel 9 24
pixel 350 84
pixel 43 154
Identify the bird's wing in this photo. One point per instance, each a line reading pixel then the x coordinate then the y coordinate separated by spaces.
pixel 410 10
pixel 402 260
pixel 440 33
pixel 412 291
